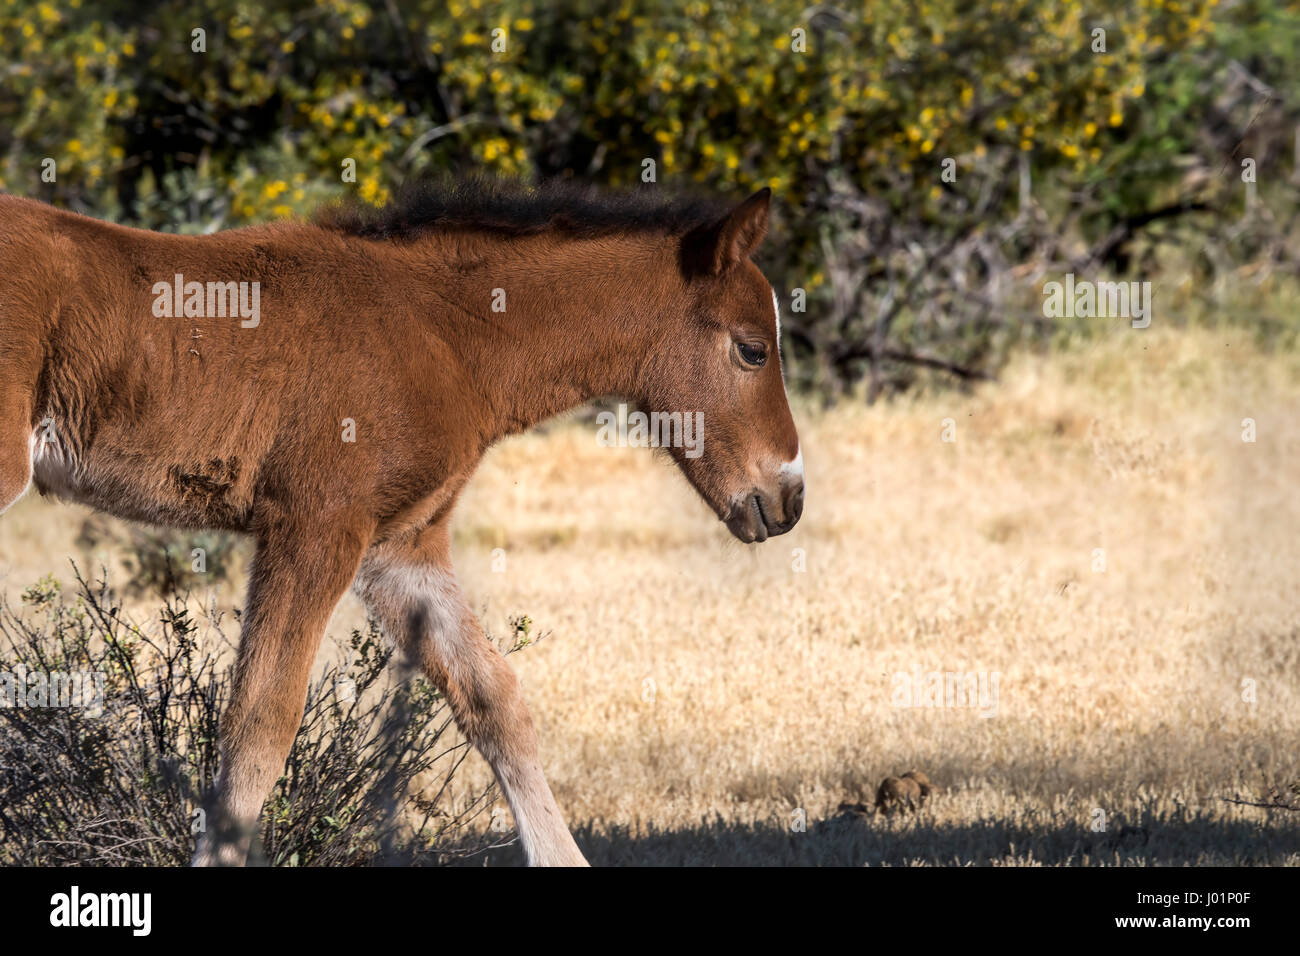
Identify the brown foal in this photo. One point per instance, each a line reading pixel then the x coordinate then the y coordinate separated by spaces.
pixel 330 387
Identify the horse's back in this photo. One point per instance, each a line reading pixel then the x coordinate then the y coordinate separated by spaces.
pixel 159 412
pixel 120 408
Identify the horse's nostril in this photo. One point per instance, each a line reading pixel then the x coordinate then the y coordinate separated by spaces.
pixel 794 502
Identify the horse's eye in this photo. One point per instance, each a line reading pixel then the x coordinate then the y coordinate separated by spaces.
pixel 754 355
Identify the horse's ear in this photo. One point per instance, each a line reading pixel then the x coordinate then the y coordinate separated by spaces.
pixel 714 249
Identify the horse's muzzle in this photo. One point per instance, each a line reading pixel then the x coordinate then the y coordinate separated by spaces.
pixel 759 516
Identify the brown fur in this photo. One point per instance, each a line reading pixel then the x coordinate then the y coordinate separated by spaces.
pixel 922 781
pixel 201 423
pixel 898 793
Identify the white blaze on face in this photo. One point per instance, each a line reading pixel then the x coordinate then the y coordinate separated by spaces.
pixel 776 308
pixel 793 469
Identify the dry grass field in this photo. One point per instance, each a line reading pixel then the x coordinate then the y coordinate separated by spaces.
pixel 696 697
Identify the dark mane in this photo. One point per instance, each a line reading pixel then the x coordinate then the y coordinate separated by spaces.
pixel 518 209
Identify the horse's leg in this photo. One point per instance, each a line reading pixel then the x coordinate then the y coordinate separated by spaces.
pixel 15 459
pixel 299 573
pixel 411 590
pixel 15 430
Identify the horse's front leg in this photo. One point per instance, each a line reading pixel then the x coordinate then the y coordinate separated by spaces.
pixel 411 590
pixel 299 573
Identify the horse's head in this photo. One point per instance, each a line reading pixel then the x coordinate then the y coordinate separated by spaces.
pixel 719 362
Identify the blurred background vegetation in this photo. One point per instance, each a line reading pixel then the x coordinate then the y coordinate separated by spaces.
pixel 1103 139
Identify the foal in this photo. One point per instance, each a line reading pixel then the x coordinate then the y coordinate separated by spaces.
pixel 330 387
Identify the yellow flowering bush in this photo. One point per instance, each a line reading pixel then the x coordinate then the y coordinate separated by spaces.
pixel 198 118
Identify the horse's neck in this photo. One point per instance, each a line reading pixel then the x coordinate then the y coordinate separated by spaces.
pixel 542 325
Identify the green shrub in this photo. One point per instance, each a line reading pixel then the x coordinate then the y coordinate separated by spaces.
pixel 161 562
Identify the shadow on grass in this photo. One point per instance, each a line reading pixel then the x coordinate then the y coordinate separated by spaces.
pixel 851 840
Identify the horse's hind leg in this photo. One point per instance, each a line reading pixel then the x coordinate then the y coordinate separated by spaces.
pixel 411 590
pixel 15 442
